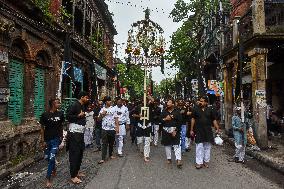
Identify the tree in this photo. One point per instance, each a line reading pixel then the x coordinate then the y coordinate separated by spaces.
pixel 131 78
pixel 188 42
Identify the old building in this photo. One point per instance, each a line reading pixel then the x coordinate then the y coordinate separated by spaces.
pixel 44 53
pixel 253 62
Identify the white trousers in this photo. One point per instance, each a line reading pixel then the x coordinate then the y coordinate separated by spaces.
pixel 156 134
pixel 120 144
pixel 203 151
pixel 88 136
pixel 187 143
pixel 177 150
pixel 240 152
pixel 144 145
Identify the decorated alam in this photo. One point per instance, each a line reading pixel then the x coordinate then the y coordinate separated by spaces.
pixel 142 94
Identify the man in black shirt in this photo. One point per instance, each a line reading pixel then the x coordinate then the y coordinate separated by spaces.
pixel 171 122
pixel 77 122
pixel 203 118
pixel 52 134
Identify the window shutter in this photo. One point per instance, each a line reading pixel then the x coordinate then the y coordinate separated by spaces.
pixel 15 105
pixel 39 101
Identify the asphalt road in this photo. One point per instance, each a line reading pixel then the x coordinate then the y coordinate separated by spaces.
pixel 130 172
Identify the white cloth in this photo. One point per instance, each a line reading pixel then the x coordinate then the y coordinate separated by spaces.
pixel 120 144
pixel 144 145
pixel 156 134
pixel 177 150
pixel 240 152
pixel 75 128
pixel 88 136
pixel 187 143
pixel 122 114
pixel 203 151
pixel 90 122
pixel 108 121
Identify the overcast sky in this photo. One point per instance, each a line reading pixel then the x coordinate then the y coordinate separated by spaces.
pixel 127 12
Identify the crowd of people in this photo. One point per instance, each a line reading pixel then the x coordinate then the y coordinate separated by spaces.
pixel 104 125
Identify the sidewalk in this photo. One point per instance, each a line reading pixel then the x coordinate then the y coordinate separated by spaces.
pixel 272 157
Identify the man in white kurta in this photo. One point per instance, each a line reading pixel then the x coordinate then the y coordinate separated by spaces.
pixel 123 119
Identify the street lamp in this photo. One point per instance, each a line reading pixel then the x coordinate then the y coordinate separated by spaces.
pixel 145 48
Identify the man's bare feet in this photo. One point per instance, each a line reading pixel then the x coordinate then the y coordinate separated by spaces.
pixel 76 180
pixel 112 157
pixel 146 159
pixel 48 184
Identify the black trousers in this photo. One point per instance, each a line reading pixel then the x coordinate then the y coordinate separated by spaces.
pixel 108 138
pixel 76 148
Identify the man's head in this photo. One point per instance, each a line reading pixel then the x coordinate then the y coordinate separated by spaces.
pixel 119 102
pixel 100 103
pixel 203 101
pixel 54 103
pixel 83 97
pixel 170 103
pixel 180 102
pixel 107 101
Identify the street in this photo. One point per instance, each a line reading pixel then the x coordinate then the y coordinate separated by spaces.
pixel 131 172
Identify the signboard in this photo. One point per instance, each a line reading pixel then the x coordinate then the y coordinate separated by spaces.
pixel 216 86
pixel 4 57
pixel 260 98
pixel 4 95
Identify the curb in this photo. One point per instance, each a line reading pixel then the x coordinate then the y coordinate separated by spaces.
pixel 260 157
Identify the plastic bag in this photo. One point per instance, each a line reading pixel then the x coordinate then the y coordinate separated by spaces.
pixel 218 140
pixel 250 138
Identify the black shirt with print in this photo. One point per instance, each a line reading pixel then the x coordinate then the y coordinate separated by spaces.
pixel 53 124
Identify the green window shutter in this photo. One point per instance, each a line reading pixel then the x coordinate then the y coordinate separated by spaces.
pixel 16 100
pixel 39 93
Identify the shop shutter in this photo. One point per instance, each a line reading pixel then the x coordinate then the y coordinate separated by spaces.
pixel 39 102
pixel 15 105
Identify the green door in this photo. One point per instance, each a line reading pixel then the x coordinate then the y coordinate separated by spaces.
pixel 15 105
pixel 39 92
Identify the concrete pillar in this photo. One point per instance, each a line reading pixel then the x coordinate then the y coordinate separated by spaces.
pixel 236 30
pixel 258 17
pixel 228 96
pixel 258 61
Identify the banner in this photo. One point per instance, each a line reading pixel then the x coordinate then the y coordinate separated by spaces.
pixel 260 98
pixel 100 72
pixel 216 86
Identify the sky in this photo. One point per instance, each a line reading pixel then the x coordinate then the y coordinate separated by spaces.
pixel 127 12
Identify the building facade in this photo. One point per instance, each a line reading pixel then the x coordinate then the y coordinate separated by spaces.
pixel 253 61
pixel 43 56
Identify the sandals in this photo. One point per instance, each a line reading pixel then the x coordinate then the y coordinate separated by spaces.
pixel 101 162
pixel 169 161
pixel 179 164
pixel 76 180
pixel 146 159
pixel 198 166
pixel 206 165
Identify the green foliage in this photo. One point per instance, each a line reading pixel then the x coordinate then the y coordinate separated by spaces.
pixel 132 78
pixel 165 87
pixel 44 6
pixel 185 46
